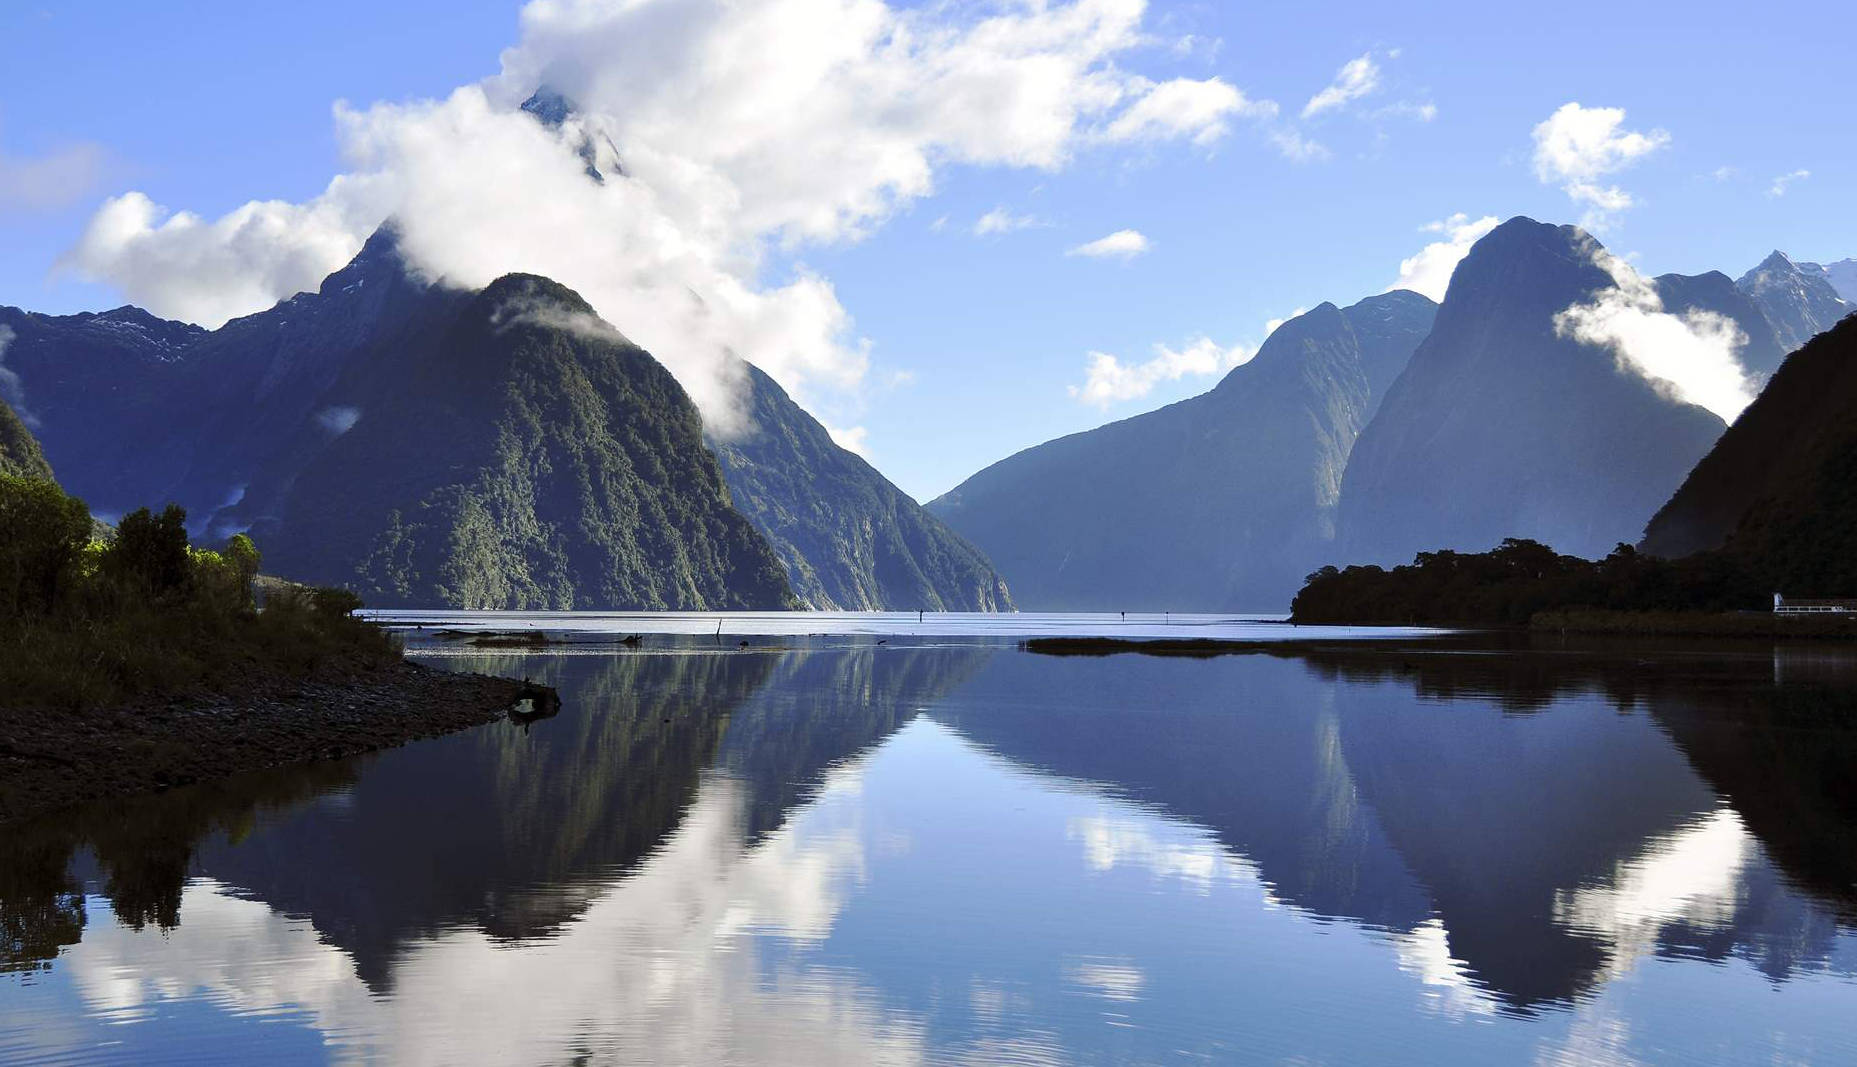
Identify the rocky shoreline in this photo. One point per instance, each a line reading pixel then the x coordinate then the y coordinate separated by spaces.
pixel 55 758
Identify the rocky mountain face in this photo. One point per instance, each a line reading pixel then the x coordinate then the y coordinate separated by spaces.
pixel 1763 351
pixel 90 385
pixel 1221 502
pixel 1798 299
pixel 1780 487
pixel 850 540
pixel 1842 275
pixel 237 424
pixel 427 446
pixel 518 453
pixel 1501 426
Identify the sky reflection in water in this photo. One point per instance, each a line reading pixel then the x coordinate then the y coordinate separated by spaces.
pixel 962 852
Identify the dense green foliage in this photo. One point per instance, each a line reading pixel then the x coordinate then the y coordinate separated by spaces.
pixel 532 466
pixel 525 456
pixel 19 450
pixel 86 622
pixel 1510 584
pixel 851 540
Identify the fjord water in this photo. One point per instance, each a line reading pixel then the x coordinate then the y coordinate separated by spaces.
pixel 828 850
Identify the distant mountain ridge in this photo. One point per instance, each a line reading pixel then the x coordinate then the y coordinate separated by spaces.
pixel 228 423
pixel 1842 275
pixel 1502 427
pixel 1798 299
pixel 1221 502
pixel 850 539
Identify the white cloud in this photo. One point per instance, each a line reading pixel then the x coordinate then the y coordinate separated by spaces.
pixel 1108 380
pixel 819 120
pixel 1723 173
pixel 1429 272
pixel 1000 220
pixel 853 439
pixel 54 180
pixel 182 266
pixel 1778 188
pixel 1407 109
pixel 1125 244
pixel 1183 108
pixel 1357 78
pixel 1694 357
pixel 1579 146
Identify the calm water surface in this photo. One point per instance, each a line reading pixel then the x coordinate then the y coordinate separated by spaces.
pixel 825 850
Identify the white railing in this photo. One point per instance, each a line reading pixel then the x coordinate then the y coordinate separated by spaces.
pixel 1782 606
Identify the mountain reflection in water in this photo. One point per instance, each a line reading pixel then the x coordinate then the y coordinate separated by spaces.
pixel 853 853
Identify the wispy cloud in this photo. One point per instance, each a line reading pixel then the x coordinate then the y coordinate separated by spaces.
pixel 1000 220
pixel 1122 244
pixel 1577 147
pixel 1357 78
pixel 1109 380
pixel 1694 357
pixel 59 178
pixel 1780 183
pixel 1298 148
pixel 1199 111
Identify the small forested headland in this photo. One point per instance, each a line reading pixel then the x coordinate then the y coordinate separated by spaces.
pixel 133 660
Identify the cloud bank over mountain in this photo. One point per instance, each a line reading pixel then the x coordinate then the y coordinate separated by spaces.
pixel 743 127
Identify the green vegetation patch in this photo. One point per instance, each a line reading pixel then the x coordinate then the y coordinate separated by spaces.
pixel 87 622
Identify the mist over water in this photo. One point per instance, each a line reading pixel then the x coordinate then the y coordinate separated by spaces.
pixel 945 849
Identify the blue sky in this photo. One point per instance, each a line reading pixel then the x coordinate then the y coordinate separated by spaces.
pixel 951 349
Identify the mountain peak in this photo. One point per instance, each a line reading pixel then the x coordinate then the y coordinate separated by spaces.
pixel 517 294
pixel 552 109
pixel 380 262
pixel 549 107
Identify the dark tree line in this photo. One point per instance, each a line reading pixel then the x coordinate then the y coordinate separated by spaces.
pixel 1519 579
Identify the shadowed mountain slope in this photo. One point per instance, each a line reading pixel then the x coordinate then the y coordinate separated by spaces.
pixel 1502 427
pixel 1221 502
pixel 1780 487
pixel 851 540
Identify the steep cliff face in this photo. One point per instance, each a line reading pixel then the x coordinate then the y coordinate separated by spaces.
pixel 850 540
pixel 1221 502
pixel 1501 426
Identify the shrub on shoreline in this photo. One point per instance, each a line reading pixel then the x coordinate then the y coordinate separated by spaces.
pixel 86 622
